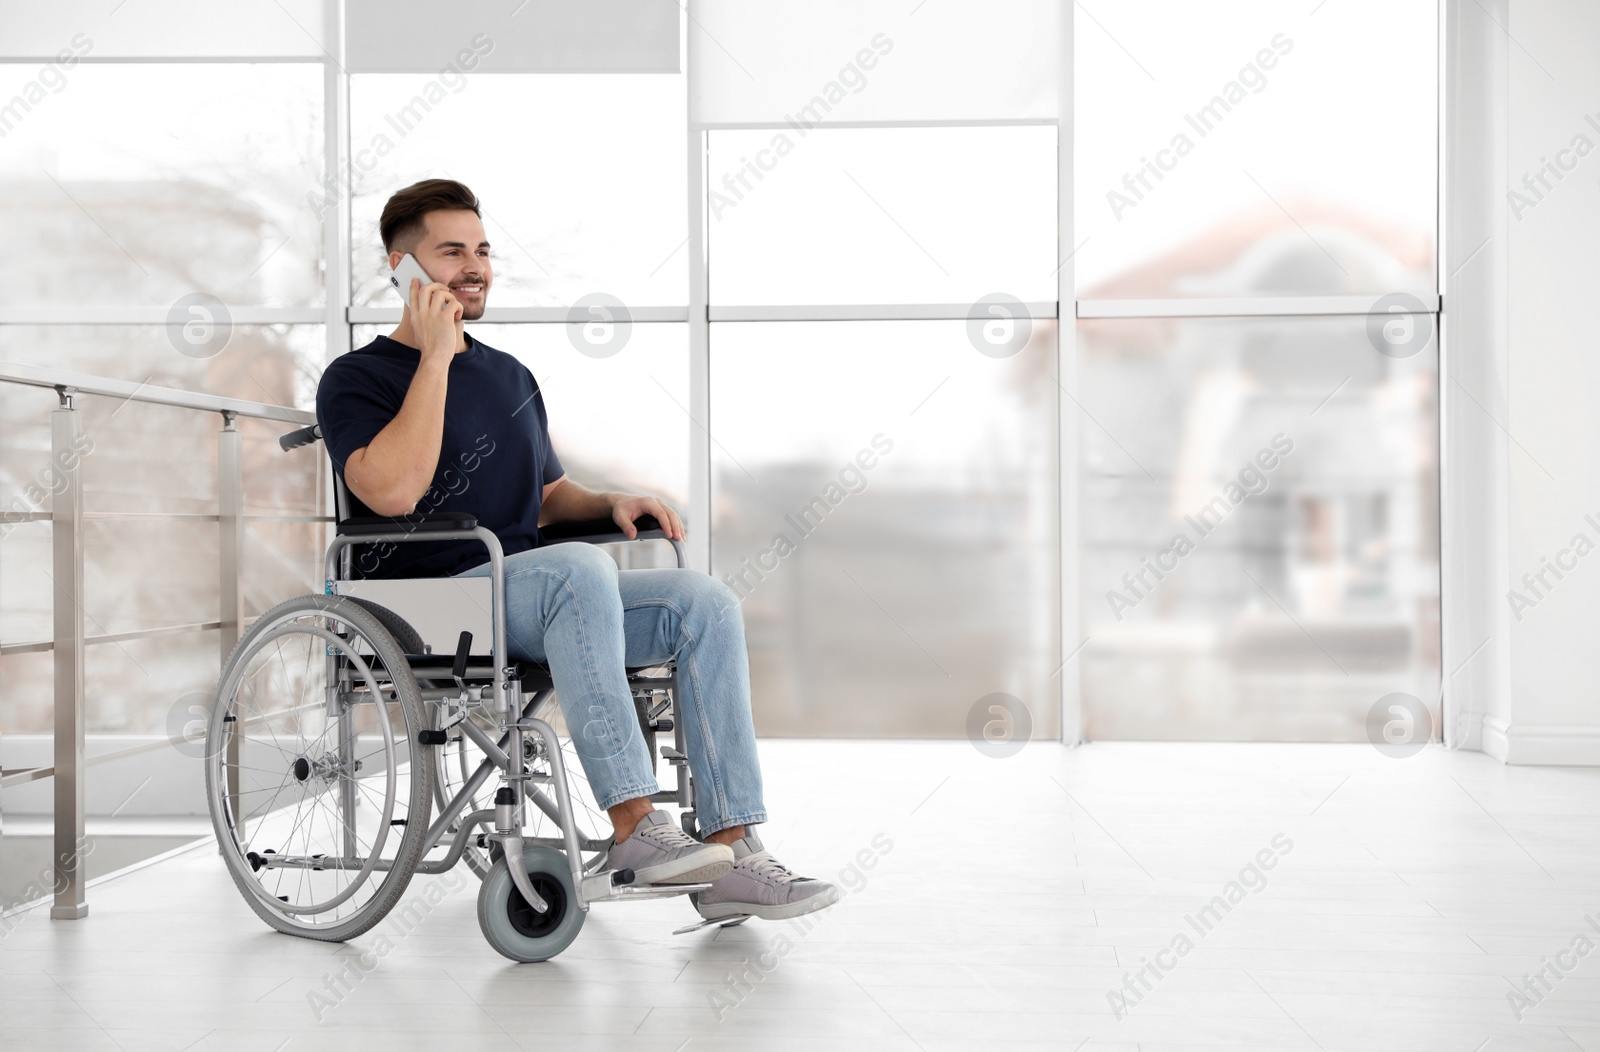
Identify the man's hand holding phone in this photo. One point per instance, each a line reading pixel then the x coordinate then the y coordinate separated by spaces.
pixel 435 311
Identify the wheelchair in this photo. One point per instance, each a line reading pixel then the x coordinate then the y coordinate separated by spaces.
pixel 337 730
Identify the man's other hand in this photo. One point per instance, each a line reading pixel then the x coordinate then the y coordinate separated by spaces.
pixel 629 506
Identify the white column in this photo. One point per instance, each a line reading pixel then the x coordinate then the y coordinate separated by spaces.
pixel 699 524
pixel 1067 366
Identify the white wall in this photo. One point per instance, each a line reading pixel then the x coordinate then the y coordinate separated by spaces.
pixel 1522 435
pixel 1472 379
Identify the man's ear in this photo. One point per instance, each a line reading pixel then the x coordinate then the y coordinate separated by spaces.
pixel 394 259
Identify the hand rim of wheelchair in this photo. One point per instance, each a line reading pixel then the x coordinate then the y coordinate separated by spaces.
pixel 289 628
pixel 286 619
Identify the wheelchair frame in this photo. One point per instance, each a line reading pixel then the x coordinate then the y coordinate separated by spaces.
pixel 509 754
pixel 493 684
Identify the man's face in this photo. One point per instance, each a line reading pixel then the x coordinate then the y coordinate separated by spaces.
pixel 454 250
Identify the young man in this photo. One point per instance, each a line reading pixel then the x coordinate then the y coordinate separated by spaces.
pixel 429 412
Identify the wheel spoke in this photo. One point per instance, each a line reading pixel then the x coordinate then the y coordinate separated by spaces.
pixel 275 794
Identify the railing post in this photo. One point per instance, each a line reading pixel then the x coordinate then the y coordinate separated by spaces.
pixel 66 544
pixel 230 530
pixel 230 545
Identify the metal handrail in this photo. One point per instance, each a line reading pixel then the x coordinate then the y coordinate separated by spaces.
pixel 44 646
pixel 158 516
pixel 87 383
pixel 69 638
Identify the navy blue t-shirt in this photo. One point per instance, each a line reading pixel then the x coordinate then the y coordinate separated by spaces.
pixel 494 461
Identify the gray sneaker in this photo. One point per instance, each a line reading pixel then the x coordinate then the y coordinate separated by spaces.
pixel 761 886
pixel 659 852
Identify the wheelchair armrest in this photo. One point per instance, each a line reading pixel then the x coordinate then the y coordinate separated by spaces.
pixel 431 521
pixel 599 531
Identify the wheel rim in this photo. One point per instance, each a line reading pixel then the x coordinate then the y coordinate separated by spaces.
pixel 515 930
pixel 527 921
pixel 281 770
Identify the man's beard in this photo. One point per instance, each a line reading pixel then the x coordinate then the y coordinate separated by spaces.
pixel 473 313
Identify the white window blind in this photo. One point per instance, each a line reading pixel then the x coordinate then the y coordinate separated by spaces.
pixel 868 60
pixel 162 28
pixel 526 36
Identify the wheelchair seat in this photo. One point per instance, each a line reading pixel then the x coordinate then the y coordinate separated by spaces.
pixel 533 675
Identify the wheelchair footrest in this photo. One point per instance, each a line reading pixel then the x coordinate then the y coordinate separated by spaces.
pixel 598 887
pixel 721 922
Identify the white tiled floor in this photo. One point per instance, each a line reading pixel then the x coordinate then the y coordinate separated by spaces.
pixel 1016 893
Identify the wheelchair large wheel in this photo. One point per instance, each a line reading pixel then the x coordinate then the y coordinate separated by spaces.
pixel 459 758
pixel 319 799
pixel 512 926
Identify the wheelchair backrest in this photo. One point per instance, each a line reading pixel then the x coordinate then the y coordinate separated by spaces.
pixel 439 608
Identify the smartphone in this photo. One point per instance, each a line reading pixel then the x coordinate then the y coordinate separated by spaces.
pixel 402 274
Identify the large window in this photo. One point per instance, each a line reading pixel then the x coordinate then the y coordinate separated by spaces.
pixel 1255 149
pixel 167 231
pixel 841 353
pixel 884 479
pixel 581 177
pixel 181 194
pixel 882 215
pixel 1258 534
pixel 884 500
pixel 181 212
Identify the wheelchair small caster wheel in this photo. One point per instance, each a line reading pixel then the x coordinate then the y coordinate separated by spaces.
pixel 512 926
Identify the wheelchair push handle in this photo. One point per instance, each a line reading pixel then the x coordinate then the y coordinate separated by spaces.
pixel 303 437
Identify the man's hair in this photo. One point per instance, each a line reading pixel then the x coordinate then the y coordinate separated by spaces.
pixel 403 221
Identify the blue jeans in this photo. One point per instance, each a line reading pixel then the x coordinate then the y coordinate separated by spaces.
pixel 570 608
